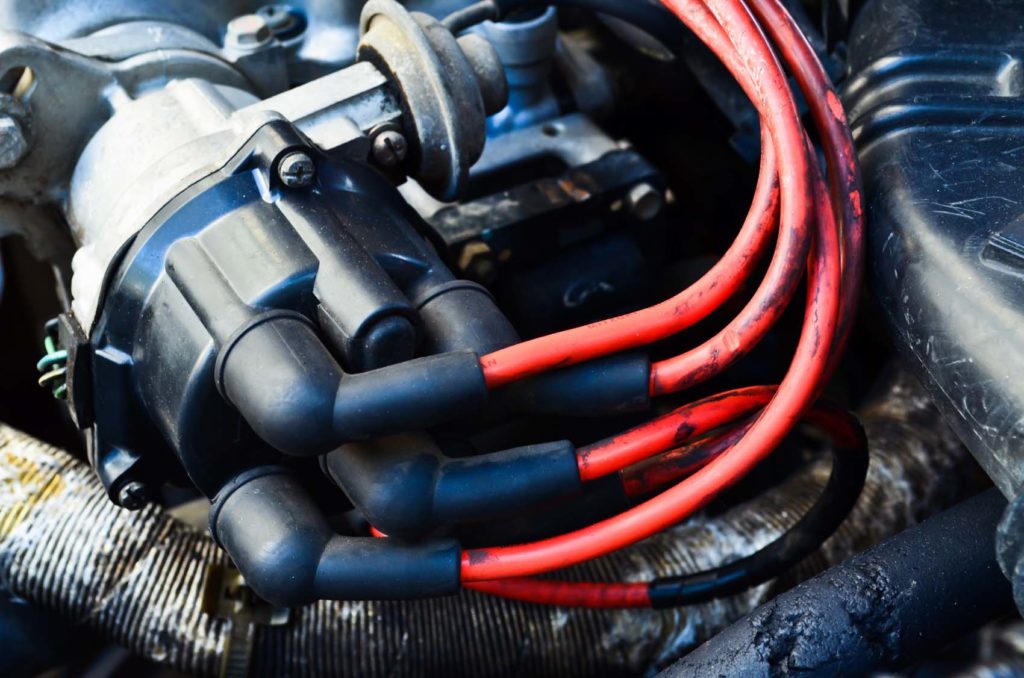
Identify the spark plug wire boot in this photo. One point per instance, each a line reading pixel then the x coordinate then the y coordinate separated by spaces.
pixel 290 556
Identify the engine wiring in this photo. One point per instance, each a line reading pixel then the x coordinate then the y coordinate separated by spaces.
pixel 512 337
pixel 849 469
pixel 819 231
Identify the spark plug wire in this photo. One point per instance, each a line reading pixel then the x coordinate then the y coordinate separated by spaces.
pixel 818 226
pixel 849 469
pixel 803 204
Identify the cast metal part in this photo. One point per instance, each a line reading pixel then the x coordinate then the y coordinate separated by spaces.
pixel 326 40
pixel 598 173
pixel 248 32
pixel 86 89
pixel 439 86
pixel 526 48
pixel 194 105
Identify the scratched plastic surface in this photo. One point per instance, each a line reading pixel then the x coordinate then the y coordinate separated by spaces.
pixel 935 98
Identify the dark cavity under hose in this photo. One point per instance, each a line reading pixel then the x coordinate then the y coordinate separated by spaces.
pixel 136 577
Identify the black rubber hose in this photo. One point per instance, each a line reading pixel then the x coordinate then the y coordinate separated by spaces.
pixel 839 496
pixel 903 599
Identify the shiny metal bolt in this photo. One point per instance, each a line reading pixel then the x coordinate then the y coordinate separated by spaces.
pixel 13 144
pixel 644 201
pixel 247 32
pixel 280 18
pixel 132 495
pixel 389 148
pixel 296 170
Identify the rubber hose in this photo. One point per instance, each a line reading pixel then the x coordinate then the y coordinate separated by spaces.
pixel 896 602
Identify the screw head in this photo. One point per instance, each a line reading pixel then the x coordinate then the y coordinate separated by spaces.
pixel 13 144
pixel 280 18
pixel 296 170
pixel 247 32
pixel 644 201
pixel 389 148
pixel 132 495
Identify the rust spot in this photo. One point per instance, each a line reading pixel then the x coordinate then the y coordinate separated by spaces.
pixel 573 190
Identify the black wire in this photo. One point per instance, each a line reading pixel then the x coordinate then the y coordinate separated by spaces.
pixel 849 469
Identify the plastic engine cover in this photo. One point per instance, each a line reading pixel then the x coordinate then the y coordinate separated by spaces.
pixel 936 105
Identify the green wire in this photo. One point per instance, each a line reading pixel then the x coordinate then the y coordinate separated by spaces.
pixel 50 359
pixel 56 362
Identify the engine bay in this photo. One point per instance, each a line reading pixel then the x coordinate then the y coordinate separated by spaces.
pixel 438 337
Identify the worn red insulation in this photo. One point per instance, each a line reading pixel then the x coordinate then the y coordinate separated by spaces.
pixel 809 218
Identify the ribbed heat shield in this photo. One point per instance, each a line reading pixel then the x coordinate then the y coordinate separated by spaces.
pixel 137 577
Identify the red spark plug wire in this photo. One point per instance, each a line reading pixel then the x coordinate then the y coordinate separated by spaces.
pixel 670 430
pixel 804 203
pixel 848 468
pixel 688 307
pixel 656 473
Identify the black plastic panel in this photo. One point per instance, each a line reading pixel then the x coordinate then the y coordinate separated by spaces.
pixel 936 103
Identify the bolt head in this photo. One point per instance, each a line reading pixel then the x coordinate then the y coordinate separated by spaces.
pixel 132 495
pixel 296 170
pixel 13 144
pixel 280 18
pixel 247 32
pixel 389 148
pixel 644 201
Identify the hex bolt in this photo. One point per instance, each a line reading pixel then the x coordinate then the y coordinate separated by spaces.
pixel 296 170
pixel 247 32
pixel 132 495
pixel 389 148
pixel 644 201
pixel 13 144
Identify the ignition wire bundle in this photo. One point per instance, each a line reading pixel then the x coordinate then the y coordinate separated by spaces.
pixel 818 229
